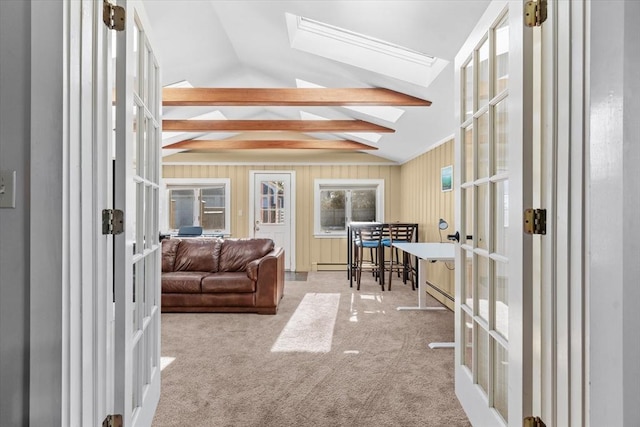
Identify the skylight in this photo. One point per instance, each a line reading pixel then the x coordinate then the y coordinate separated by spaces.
pixel 369 136
pixel 389 114
pixel 362 51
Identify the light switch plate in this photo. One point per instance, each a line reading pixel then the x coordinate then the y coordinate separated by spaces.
pixel 7 189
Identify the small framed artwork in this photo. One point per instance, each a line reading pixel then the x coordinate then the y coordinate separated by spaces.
pixel 446 178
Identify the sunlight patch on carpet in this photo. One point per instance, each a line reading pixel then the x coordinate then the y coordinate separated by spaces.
pixel 166 361
pixel 310 328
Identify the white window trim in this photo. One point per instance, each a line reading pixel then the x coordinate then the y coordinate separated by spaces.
pixel 195 182
pixel 319 183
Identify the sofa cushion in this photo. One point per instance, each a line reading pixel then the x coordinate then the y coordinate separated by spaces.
pixel 198 255
pixel 237 253
pixel 169 248
pixel 227 282
pixel 182 282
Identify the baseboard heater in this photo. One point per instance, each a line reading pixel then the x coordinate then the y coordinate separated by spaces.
pixel 330 266
pixel 431 285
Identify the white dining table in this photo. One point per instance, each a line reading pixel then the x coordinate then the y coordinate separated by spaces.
pixel 428 252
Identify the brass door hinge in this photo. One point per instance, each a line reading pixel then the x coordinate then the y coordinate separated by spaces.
pixel 535 13
pixel 533 422
pixel 113 16
pixel 112 221
pixel 535 221
pixel 112 421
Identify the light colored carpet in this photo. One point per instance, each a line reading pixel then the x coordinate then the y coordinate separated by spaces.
pixel 378 370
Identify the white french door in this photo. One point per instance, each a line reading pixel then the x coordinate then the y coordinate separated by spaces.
pixel 273 214
pixel 493 307
pixel 137 250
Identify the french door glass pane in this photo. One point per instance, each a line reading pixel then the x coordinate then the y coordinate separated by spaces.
pixel 332 210
pixel 144 89
pixel 469 210
pixel 134 284
pixel 139 225
pixel 134 140
pixel 468 285
pixel 150 280
pixel 501 285
pixel 500 379
pixel 146 152
pixel 482 215
pixel 483 287
pixel 483 146
pixel 156 152
pixel 154 105
pixel 136 57
pixel 501 217
pixel 136 376
pixel 502 56
pixel 483 74
pixel 150 350
pixel 468 90
pixel 467 342
pixel 501 142
pixel 468 154
pixel 151 83
pixel 156 209
pixel 482 355
pixel 147 214
pixel 149 150
pixel 137 292
pixel 153 336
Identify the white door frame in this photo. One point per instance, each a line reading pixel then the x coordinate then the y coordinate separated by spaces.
pixel 70 288
pixel 612 196
pixel 137 297
pixel 292 224
pixel 563 377
pixel 519 268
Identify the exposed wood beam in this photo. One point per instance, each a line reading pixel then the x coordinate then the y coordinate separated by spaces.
pixel 180 97
pixel 273 125
pixel 237 144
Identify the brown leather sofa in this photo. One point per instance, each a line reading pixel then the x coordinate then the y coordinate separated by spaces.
pixel 216 275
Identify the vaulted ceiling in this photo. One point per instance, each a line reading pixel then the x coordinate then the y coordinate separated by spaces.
pixel 254 44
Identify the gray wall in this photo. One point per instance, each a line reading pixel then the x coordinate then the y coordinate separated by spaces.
pixel 15 75
pixel 614 229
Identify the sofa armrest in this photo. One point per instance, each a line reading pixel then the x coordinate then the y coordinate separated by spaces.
pixel 269 272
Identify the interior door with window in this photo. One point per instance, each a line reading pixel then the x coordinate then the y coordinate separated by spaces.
pixel 493 307
pixel 273 216
pixel 137 250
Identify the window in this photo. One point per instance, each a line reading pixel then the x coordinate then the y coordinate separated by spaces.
pixel 338 202
pixel 205 203
pixel 272 202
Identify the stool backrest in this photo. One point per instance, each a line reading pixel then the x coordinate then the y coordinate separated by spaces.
pixel 401 232
pixel 368 234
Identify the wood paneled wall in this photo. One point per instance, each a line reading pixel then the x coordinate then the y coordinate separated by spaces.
pixel 311 252
pixel 424 202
